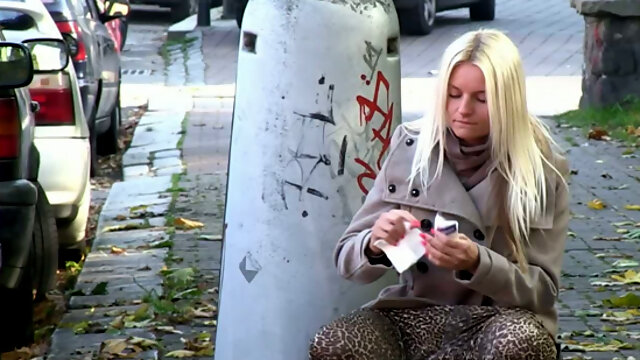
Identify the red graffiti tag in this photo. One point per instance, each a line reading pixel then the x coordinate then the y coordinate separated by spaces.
pixel 368 109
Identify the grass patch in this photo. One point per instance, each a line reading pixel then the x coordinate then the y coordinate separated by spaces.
pixel 620 120
pixel 183 132
pixel 571 140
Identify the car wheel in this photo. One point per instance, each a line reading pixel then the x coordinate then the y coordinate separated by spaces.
pixel 44 246
pixel 108 142
pixel 241 5
pixel 16 312
pixel 184 9
pixel 418 20
pixel 71 234
pixel 484 10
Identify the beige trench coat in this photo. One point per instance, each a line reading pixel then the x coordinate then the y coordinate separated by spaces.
pixel 497 278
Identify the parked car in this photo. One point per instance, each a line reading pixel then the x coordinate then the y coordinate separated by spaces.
pixel 61 134
pixel 180 9
pixel 417 17
pixel 117 27
pixel 97 64
pixel 28 240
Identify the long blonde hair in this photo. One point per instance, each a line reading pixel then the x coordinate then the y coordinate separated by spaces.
pixel 520 142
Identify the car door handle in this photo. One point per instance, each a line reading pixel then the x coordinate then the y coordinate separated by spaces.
pixel 35 107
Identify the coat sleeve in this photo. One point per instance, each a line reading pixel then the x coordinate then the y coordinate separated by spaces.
pixel 349 255
pixel 537 289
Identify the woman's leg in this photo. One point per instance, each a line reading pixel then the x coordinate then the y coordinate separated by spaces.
pixel 515 334
pixel 362 335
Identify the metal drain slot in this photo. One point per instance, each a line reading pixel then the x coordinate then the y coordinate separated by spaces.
pixel 137 72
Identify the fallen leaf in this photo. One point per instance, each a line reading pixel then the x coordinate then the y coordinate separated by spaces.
pixel 100 288
pixel 210 237
pixel 180 354
pixel 114 346
pixel 186 224
pixel 607 238
pixel 121 217
pixel 625 263
pixel 143 342
pixel 117 323
pixel 598 133
pixel 633 234
pixel 623 223
pixel 629 277
pixel 629 300
pixel 168 329
pixel 632 207
pixel 622 231
pixel 596 204
pixel 571 234
pixel 117 251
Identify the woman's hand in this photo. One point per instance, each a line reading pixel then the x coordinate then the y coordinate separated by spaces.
pixel 390 228
pixel 454 252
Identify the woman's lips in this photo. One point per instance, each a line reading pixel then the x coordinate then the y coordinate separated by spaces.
pixel 462 122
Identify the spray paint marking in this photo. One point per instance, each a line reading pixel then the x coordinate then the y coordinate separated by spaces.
pixel 368 109
pixel 371 58
pixel 343 155
pixel 298 156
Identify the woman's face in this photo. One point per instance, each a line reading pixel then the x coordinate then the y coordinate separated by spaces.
pixel 467 111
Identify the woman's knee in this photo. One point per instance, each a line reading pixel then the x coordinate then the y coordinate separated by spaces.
pixel 363 334
pixel 517 336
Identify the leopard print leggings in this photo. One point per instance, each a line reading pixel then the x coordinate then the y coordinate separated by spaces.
pixel 461 332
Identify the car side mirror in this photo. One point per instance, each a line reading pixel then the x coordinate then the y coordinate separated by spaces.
pixel 16 66
pixel 49 55
pixel 115 9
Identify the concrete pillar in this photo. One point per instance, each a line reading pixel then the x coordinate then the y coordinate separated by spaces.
pixel 317 100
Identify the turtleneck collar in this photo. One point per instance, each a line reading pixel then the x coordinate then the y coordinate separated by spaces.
pixel 471 163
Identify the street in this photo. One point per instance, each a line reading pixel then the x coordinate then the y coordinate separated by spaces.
pixel 167 213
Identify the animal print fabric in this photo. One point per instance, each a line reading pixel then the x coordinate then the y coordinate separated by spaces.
pixel 458 332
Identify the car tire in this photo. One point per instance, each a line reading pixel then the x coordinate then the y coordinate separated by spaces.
pixel 183 9
pixel 418 20
pixel 108 142
pixel 241 6
pixel 71 234
pixel 16 312
pixel 44 254
pixel 484 10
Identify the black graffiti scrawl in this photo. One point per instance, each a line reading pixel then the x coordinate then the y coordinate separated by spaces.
pixel 302 159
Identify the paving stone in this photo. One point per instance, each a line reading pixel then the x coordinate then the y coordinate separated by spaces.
pixel 131 239
pixel 170 171
pixel 65 345
pixel 136 171
pixel 167 154
pixel 131 158
pixel 168 162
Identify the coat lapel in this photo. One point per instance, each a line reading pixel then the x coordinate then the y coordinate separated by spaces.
pixel 447 194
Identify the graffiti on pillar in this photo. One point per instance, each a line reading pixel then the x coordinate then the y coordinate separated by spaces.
pixel 308 156
pixel 376 114
pixel 359 6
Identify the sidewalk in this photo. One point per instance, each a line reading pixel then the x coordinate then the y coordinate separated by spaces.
pixel 154 195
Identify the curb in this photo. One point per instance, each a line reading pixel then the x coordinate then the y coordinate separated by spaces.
pixel 182 28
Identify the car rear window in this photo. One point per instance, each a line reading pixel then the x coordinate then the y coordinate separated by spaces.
pixel 15 20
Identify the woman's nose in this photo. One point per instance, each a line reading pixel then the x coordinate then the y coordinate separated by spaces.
pixel 466 106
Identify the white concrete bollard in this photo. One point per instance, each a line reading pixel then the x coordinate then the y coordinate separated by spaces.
pixel 317 100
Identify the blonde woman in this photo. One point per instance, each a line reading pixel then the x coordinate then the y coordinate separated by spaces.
pixel 489 290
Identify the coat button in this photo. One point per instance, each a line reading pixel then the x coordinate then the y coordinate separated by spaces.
pixel 415 192
pixel 422 267
pixel 392 188
pixel 478 235
pixel 426 225
pixel 409 142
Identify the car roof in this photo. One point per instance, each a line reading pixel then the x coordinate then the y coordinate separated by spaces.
pixel 44 26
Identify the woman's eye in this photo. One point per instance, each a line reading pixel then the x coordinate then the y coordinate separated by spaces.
pixel 482 99
pixel 455 96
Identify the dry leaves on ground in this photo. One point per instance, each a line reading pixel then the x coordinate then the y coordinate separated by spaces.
pixel 596 204
pixel 186 224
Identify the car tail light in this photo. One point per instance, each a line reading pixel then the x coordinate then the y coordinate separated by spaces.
pixel 72 37
pixel 53 93
pixel 9 128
